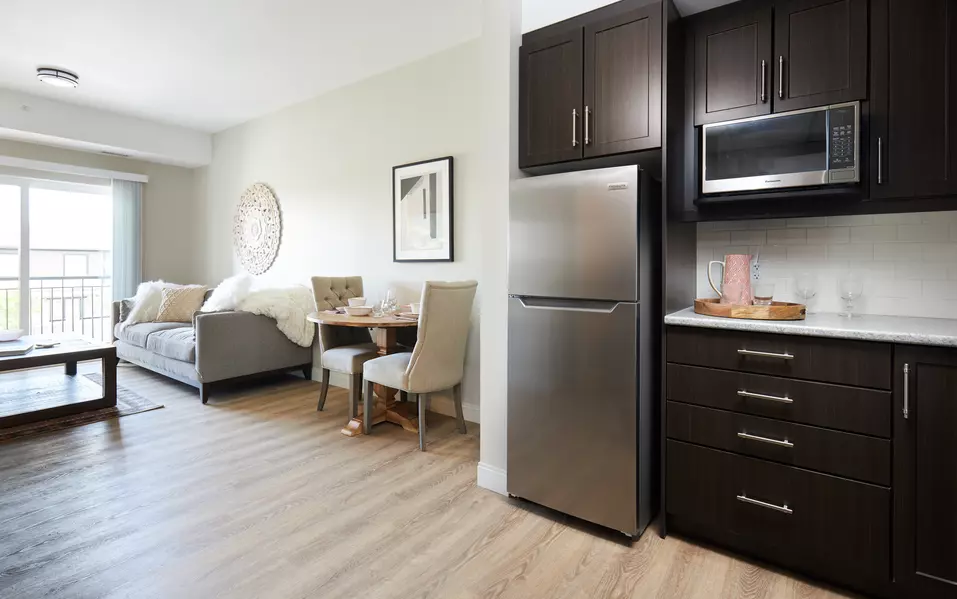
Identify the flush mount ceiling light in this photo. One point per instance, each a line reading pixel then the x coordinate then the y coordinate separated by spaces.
pixel 57 77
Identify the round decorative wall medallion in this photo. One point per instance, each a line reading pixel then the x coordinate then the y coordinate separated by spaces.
pixel 257 229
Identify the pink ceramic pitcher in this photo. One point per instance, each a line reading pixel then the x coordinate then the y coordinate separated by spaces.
pixel 736 282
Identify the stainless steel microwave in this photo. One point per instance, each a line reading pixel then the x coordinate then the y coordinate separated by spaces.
pixel 803 148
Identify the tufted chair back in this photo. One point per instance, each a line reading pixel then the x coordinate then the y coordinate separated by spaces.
pixel 334 292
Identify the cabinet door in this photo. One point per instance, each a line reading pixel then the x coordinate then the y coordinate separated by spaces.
pixel 925 472
pixel 550 100
pixel 732 65
pixel 623 83
pixel 820 49
pixel 913 137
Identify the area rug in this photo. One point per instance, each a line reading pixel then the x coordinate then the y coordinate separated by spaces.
pixel 127 402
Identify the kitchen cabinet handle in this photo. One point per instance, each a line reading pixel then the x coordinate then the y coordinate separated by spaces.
pixel 781 77
pixel 574 127
pixel 880 161
pixel 906 391
pixel 784 399
pixel 784 509
pixel 779 443
pixel 765 354
pixel 587 114
pixel 764 81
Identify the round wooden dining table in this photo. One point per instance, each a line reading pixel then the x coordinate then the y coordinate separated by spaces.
pixel 385 327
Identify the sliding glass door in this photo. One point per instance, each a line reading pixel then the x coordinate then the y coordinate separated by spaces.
pixel 57 277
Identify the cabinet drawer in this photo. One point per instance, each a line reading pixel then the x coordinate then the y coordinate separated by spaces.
pixel 853 409
pixel 844 454
pixel 831 527
pixel 859 363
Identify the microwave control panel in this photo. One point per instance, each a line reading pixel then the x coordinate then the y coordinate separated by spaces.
pixel 842 122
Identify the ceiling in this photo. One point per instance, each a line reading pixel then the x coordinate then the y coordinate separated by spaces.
pixel 211 64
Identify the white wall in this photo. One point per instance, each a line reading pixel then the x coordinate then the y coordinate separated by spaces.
pixel 329 161
pixel 908 261
pixel 539 13
pixel 170 231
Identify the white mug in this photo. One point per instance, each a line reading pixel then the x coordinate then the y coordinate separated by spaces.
pixel 414 307
pixel 357 301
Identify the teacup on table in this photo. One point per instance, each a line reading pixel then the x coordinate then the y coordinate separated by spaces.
pixel 357 301
pixel 415 307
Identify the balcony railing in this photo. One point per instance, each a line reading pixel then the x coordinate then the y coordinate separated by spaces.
pixel 60 305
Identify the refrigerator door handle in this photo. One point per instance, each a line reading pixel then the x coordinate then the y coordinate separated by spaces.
pixel 538 303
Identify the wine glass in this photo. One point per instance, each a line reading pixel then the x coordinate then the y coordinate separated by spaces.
pixel 851 287
pixel 806 287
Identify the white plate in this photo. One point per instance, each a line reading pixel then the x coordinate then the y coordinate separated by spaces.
pixel 10 335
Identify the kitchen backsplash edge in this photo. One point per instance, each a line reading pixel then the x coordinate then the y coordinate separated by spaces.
pixel 908 262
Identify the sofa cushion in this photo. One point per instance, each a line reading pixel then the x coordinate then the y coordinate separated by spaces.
pixel 177 344
pixel 137 334
pixel 349 358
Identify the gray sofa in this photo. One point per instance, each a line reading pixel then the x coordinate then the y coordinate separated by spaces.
pixel 219 347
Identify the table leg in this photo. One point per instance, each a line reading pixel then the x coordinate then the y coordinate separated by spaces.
pixel 108 372
pixel 386 409
pixel 70 368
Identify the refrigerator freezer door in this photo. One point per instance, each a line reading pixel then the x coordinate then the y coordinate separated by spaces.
pixel 572 408
pixel 575 235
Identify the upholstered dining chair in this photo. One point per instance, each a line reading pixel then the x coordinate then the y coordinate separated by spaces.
pixel 342 349
pixel 437 362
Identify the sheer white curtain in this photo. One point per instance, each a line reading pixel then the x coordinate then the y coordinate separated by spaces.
pixel 127 247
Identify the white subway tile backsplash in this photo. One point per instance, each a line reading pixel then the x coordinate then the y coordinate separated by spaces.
pixel 849 221
pixel 873 233
pixel 829 235
pixel 751 237
pixel 787 236
pixel 899 252
pixel 941 289
pixel 817 221
pixel 914 218
pixel 850 251
pixel 937 232
pixel 908 261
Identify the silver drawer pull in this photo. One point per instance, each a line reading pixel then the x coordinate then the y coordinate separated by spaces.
pixel 779 443
pixel 784 399
pixel 765 354
pixel 784 509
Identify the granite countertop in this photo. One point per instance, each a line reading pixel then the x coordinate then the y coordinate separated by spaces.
pixel 890 329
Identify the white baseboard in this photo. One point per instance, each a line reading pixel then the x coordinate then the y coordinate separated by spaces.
pixel 441 402
pixel 492 478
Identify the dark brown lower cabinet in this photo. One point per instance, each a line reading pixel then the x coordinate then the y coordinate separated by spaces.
pixel 925 472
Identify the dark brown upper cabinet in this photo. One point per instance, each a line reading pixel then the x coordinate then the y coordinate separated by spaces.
pixel 622 73
pixel 550 100
pixel 591 86
pixel 913 141
pixel 732 64
pixel 925 470
pixel 820 49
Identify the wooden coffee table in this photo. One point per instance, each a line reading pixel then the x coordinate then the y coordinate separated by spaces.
pixel 31 397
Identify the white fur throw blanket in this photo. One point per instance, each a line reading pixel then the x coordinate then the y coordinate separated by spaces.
pixel 288 307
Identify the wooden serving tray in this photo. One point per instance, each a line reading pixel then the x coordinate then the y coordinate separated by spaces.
pixel 776 311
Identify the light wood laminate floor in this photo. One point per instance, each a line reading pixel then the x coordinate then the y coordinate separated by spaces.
pixel 258 495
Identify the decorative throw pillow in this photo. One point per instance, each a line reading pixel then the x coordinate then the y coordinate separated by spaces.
pixel 179 303
pixel 229 293
pixel 146 302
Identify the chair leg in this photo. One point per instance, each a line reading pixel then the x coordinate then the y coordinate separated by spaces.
pixel 423 398
pixel 355 391
pixel 459 413
pixel 403 396
pixel 307 372
pixel 367 409
pixel 324 391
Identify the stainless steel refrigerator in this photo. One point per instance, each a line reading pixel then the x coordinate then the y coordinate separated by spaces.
pixel 583 338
